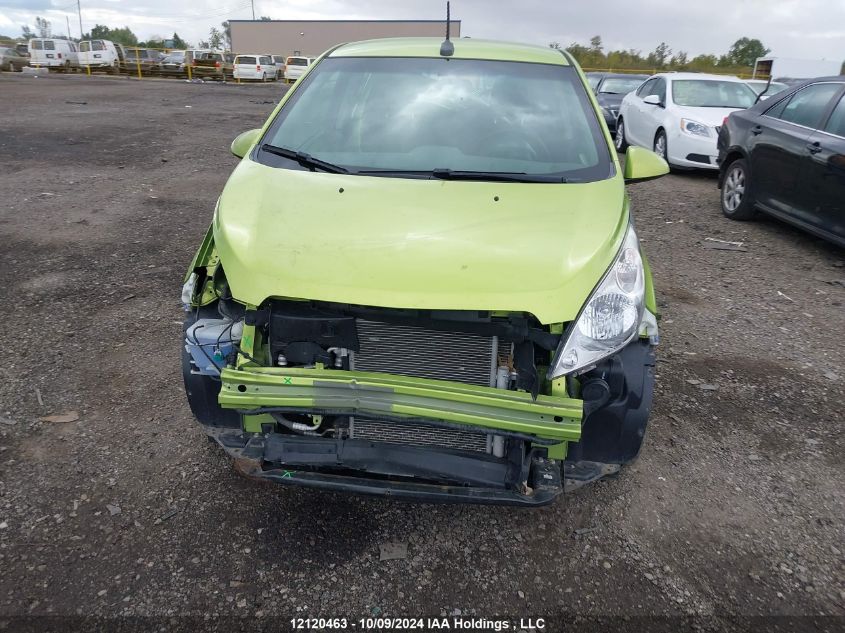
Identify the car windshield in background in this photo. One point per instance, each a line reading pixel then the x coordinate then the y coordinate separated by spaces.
pixel 760 86
pixel 620 85
pixel 712 93
pixel 415 116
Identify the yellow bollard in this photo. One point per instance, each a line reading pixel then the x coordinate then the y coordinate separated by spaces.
pixel 189 70
pixel 138 62
pixel 88 68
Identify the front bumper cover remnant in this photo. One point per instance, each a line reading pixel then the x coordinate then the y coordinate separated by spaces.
pixel 393 470
pixel 341 392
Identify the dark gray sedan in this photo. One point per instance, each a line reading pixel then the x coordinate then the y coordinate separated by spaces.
pixel 610 89
pixel 11 60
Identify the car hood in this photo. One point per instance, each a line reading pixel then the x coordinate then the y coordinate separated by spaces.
pixel 426 244
pixel 709 116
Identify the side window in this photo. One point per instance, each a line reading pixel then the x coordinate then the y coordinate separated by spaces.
pixel 776 111
pixel 659 89
pixel 643 91
pixel 98 45
pixel 49 45
pixel 806 106
pixel 84 47
pixel 836 122
pixel 36 45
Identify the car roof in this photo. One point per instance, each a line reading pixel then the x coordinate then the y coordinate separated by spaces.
pixel 465 48
pixel 625 75
pixel 674 75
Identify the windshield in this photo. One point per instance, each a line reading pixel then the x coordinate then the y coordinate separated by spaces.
pixel 621 85
pixel 426 114
pixel 712 93
pixel 760 86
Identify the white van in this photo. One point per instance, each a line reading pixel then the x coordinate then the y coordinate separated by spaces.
pixel 258 67
pixel 101 54
pixel 53 53
pixel 279 63
pixel 295 67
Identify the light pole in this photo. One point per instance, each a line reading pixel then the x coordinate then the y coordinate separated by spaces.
pixel 253 10
pixel 79 9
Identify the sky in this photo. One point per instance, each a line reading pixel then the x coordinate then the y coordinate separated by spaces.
pixel 812 29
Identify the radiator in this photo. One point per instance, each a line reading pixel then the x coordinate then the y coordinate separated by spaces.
pixel 416 434
pixel 415 351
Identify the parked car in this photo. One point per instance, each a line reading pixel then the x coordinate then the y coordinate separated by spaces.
pixel 786 157
pixel 593 78
pixel 760 85
pixel 60 54
pixel 296 66
pixel 213 65
pixel 23 49
pixel 101 55
pixel 173 65
pixel 257 67
pixel 279 63
pixel 679 115
pixel 423 280
pixel 145 59
pixel 11 60
pixel 611 89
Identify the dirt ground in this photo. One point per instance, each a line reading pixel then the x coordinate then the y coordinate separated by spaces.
pixel 734 510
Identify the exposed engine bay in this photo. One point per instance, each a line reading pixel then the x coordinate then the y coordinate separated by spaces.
pixel 475 348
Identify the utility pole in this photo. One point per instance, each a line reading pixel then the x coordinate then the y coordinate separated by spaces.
pixel 79 9
pixel 253 9
pixel 67 19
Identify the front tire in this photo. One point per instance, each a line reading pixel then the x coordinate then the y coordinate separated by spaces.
pixel 737 199
pixel 661 146
pixel 619 141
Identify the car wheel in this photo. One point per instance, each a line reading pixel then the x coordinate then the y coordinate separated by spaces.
pixel 737 200
pixel 202 390
pixel 660 146
pixel 620 142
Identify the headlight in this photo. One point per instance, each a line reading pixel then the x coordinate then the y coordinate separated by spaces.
pixel 611 317
pixel 694 128
pixel 188 290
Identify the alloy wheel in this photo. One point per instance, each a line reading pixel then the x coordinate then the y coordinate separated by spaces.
pixel 620 135
pixel 734 188
pixel 660 145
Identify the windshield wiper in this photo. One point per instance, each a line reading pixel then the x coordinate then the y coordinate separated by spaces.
pixel 451 174
pixel 492 176
pixel 306 160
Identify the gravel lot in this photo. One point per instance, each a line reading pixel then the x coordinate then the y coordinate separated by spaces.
pixel 735 507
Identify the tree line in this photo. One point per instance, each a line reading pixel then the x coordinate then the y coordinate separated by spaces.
pixel 739 58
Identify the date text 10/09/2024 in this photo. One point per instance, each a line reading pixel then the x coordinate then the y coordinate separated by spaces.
pixel 454 623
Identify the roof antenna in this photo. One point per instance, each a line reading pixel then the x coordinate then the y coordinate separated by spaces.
pixel 447 49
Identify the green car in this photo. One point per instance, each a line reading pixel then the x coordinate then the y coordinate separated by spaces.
pixel 423 281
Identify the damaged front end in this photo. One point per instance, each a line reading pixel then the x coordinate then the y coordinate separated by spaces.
pixel 422 404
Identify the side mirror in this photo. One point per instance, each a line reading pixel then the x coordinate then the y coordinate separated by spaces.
pixel 642 164
pixel 243 141
pixel 652 100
